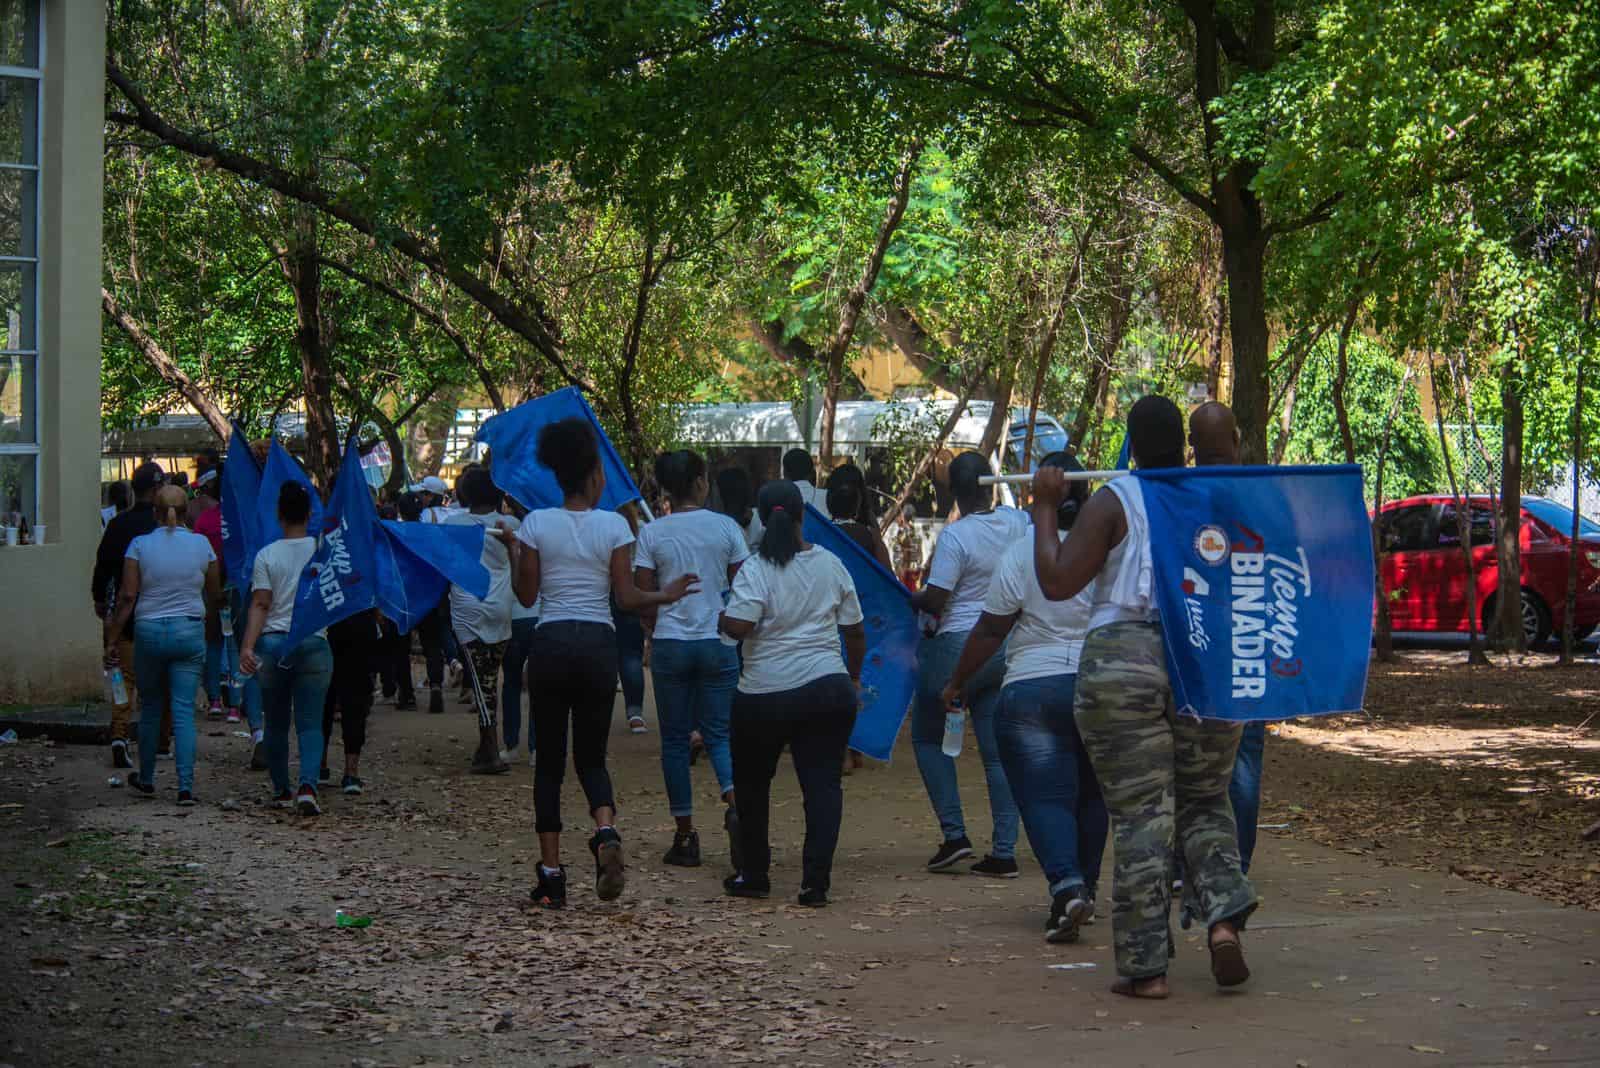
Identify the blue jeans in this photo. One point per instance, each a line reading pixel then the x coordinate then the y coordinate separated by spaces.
pixel 695 681
pixel 630 658
pixel 294 684
pixel 1048 771
pixel 511 675
pixel 1244 791
pixel 249 695
pixel 936 659
pixel 169 654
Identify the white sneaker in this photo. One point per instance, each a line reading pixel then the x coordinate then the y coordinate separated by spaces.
pixel 506 755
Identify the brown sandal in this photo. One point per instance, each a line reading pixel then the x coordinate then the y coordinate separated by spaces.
pixel 1227 962
pixel 1129 988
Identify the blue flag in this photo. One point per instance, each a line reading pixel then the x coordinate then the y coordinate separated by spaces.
pixel 340 578
pixel 513 440
pixel 417 562
pixel 281 468
pixel 1263 576
pixel 889 672
pixel 241 489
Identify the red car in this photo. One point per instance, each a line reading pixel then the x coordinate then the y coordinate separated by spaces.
pixel 1425 574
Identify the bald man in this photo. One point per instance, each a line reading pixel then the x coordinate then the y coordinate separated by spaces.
pixel 1214 437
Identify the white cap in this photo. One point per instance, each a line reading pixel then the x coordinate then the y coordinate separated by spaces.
pixel 435 484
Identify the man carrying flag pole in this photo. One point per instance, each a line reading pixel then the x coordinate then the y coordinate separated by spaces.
pixel 1150 762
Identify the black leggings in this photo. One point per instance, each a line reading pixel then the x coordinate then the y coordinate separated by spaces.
pixel 814 721
pixel 354 642
pixel 572 666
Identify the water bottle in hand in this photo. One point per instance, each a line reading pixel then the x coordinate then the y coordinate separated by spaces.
pixel 117 686
pixel 955 723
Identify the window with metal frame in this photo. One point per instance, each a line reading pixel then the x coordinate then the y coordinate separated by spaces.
pixel 20 109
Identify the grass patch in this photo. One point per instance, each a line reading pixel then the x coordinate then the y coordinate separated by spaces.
pixel 97 877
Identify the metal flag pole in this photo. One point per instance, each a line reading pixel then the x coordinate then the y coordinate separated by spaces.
pixel 1070 476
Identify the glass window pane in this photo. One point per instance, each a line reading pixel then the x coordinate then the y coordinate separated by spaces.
pixel 19 391
pixel 19 495
pixel 17 309
pixel 19 124
pixel 19 33
pixel 18 212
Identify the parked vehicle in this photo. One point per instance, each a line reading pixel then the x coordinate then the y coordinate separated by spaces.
pixel 1424 572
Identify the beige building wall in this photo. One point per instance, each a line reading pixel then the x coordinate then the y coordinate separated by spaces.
pixel 49 638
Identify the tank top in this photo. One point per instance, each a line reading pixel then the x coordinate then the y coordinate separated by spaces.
pixel 1122 592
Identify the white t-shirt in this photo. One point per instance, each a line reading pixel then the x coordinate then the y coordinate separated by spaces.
pixel 488 620
pixel 798 610
pixel 964 559
pixel 753 531
pixel 1048 636
pixel 701 542
pixel 277 568
pixel 575 561
pixel 172 573
pixel 815 496
pixel 440 513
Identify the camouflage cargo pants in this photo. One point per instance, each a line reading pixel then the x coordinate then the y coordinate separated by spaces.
pixel 1164 778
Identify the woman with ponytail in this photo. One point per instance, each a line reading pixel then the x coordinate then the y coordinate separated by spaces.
pixel 789 606
pixel 171 583
pixel 1045 763
pixel 695 673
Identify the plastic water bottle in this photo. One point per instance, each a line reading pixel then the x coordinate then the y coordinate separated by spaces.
pixel 225 617
pixel 955 725
pixel 341 918
pixel 117 687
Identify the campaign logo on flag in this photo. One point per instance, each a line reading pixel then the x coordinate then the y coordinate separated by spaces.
pixel 889 670
pixel 1264 580
pixel 337 581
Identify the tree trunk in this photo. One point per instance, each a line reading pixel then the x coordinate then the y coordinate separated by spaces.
pixel 994 431
pixel 856 299
pixel 429 434
pixel 1341 378
pixel 892 516
pixel 1244 251
pixel 1475 654
pixel 638 449
pixel 1219 327
pixel 1573 550
pixel 1041 359
pixel 165 365
pixel 1508 537
pixel 303 268
pixel 1383 632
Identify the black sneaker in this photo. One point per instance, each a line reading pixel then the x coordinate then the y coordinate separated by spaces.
pixel 609 875
pixel 739 886
pixel 351 785
pixel 258 756
pixel 995 868
pixel 950 853
pixel 119 754
pixel 143 790
pixel 435 702
pixel 487 760
pixel 186 799
pixel 730 823
pixel 406 703
pixel 813 899
pixel 324 777
pixel 305 802
pixel 551 890
pixel 1068 911
pixel 685 851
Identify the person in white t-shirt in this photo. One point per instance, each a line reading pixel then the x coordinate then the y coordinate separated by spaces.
pixel 171 586
pixel 799 469
pixel 573 560
pixel 737 500
pixel 694 671
pixel 963 562
pixel 1046 765
pixel 514 668
pixel 294 680
pixel 483 627
pixel 1151 762
pixel 790 604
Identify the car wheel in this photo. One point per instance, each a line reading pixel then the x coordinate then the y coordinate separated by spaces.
pixel 1535 620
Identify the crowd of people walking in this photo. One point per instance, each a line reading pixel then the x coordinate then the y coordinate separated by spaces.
pixel 1039 630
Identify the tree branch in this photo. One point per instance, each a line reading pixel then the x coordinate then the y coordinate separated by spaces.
pixel 164 364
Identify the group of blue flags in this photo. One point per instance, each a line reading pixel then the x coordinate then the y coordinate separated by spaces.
pixel 360 562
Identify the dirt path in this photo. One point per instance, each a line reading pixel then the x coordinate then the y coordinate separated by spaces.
pixel 145 934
